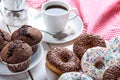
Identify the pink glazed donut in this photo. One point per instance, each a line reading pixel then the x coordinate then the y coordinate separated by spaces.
pixel 74 76
pixel 96 59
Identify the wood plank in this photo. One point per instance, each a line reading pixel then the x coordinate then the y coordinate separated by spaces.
pixel 23 76
pixel 39 71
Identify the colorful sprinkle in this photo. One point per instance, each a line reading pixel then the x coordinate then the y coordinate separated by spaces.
pixel 74 76
pixel 97 54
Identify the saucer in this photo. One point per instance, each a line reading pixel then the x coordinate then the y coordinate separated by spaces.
pixel 36 57
pixel 76 24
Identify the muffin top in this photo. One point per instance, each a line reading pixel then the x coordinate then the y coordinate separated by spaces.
pixel 4 38
pixel 15 52
pixel 28 34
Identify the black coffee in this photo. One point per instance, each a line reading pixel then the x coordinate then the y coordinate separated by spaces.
pixel 56 9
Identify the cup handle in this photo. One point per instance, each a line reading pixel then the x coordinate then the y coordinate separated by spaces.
pixel 73 16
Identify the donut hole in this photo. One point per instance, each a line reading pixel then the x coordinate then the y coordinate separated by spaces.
pixel 64 60
pixel 64 57
pixel 99 65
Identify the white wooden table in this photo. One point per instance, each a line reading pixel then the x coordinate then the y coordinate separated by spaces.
pixel 38 72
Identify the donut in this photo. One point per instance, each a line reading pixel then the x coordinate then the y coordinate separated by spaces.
pixel 96 59
pixel 113 72
pixel 114 44
pixel 74 76
pixel 61 60
pixel 86 41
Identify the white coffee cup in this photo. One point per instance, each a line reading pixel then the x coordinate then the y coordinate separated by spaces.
pixel 56 15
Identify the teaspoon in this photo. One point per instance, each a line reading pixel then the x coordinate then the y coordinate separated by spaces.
pixel 59 35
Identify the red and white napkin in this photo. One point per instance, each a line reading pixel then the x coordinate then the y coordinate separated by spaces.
pixel 100 17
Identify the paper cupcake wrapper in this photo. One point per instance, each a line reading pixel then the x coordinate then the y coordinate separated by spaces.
pixel 19 66
pixel 34 48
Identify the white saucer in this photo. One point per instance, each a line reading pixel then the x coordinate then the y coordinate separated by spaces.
pixel 36 57
pixel 75 24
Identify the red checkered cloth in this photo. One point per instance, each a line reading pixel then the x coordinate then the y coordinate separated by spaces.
pixel 100 17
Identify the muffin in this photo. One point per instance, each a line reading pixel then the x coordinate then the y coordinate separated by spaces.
pixel 28 34
pixel 4 38
pixel 16 55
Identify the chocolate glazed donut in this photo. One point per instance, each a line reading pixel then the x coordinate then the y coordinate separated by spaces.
pixel 61 60
pixel 86 41
pixel 112 73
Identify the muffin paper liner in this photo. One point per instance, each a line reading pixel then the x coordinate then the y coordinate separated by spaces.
pixel 19 66
pixel 34 48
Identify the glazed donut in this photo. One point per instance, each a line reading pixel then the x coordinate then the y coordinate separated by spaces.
pixel 113 72
pixel 61 60
pixel 114 44
pixel 86 41
pixel 95 60
pixel 74 76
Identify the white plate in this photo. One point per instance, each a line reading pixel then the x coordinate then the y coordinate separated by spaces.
pixel 34 61
pixel 76 24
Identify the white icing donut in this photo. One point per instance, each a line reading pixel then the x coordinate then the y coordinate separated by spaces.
pixel 114 44
pixel 113 61
pixel 95 55
pixel 74 76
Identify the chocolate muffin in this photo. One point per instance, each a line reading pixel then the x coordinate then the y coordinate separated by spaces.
pixel 16 55
pixel 4 38
pixel 28 34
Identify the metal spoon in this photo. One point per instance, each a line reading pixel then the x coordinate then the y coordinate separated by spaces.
pixel 59 35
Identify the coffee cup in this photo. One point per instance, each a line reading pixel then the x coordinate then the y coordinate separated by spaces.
pixel 56 14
